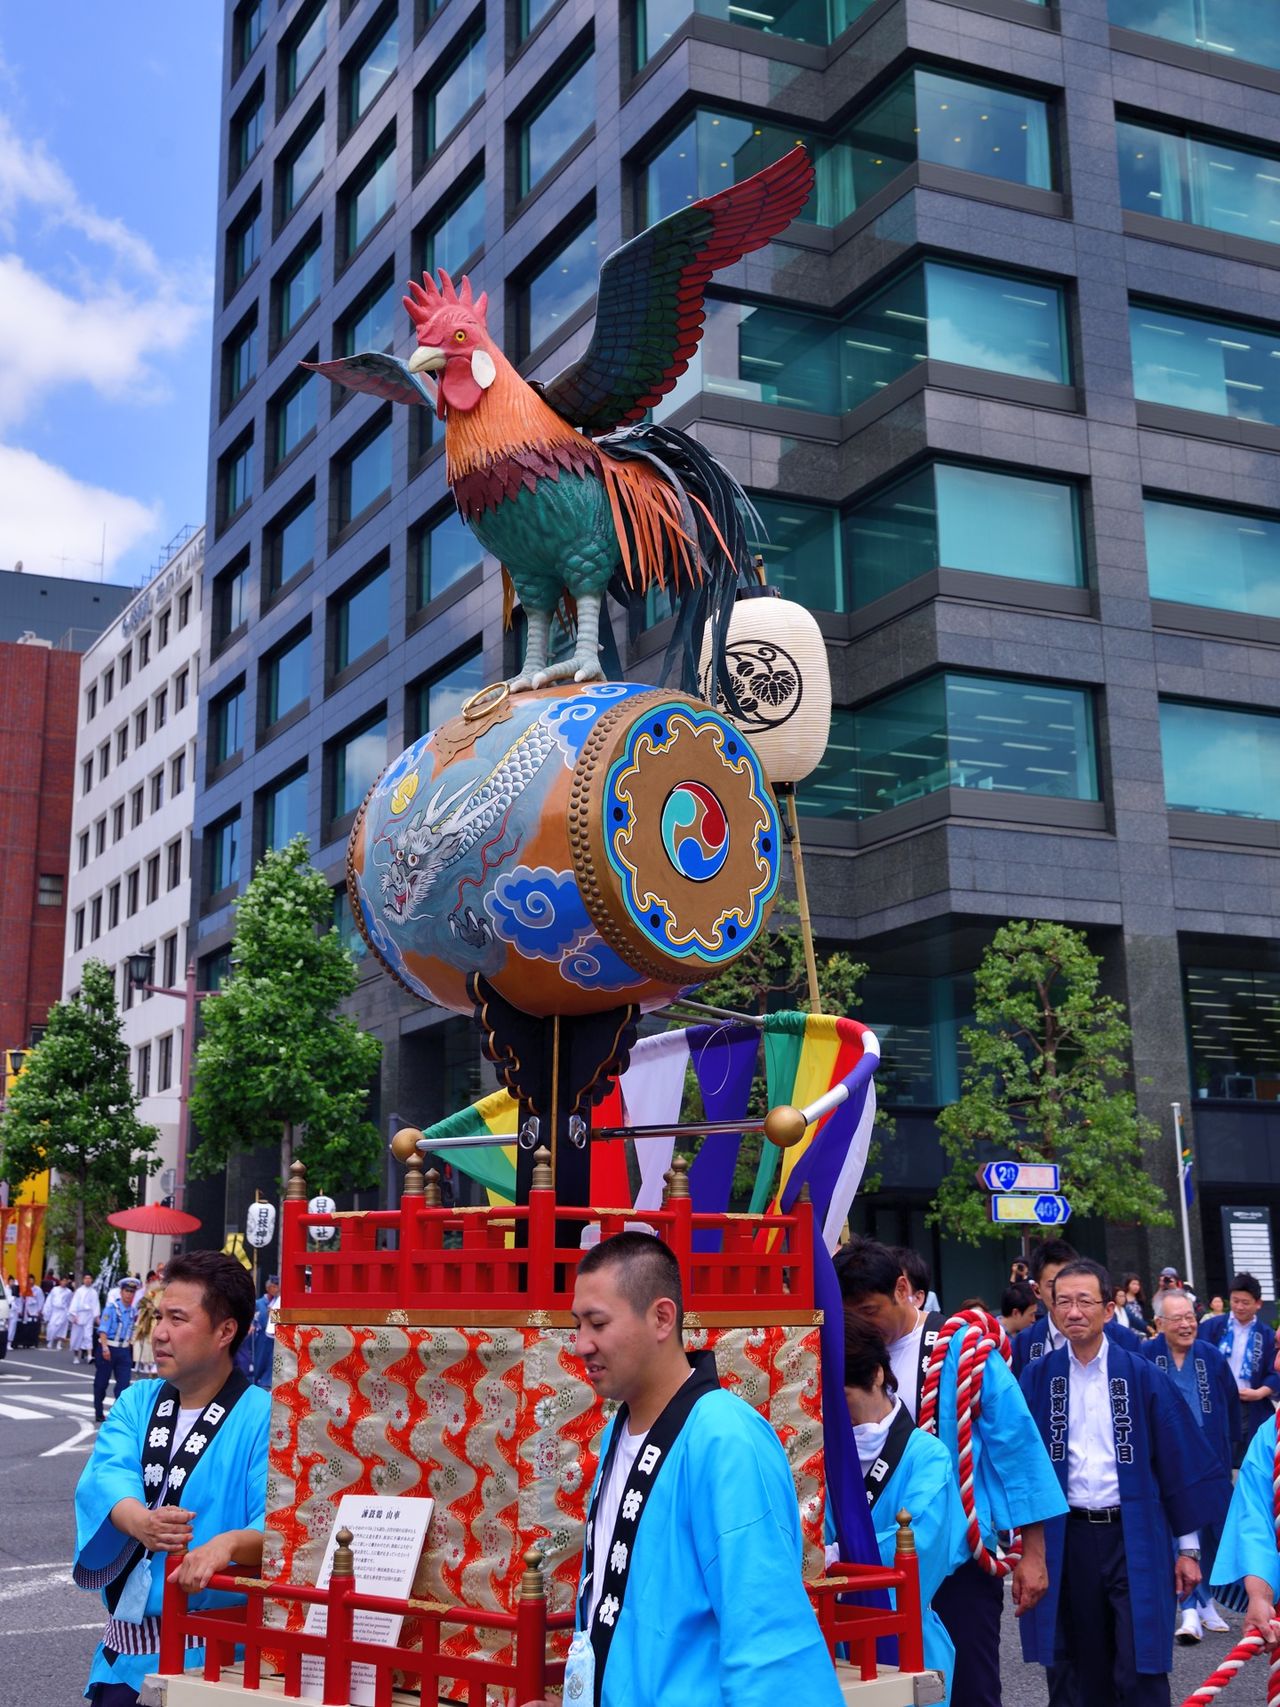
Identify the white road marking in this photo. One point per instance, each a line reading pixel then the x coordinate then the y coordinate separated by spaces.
pixel 17 1414
pixel 51 1579
pixel 52 1629
pixel 45 1565
pixel 82 1441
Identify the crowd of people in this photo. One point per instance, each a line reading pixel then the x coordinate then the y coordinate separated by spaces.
pixel 1106 1446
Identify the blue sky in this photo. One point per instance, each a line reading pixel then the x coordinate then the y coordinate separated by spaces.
pixel 108 203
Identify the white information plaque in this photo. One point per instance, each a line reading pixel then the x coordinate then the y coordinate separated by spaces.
pixel 387 1537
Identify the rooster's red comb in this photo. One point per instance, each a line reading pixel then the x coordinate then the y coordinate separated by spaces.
pixel 425 298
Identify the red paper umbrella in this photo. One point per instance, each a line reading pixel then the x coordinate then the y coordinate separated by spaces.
pixel 154 1218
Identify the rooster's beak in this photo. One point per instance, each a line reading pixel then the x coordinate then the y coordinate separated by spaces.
pixel 426 359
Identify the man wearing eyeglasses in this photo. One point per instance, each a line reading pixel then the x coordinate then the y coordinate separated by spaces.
pixel 1136 1472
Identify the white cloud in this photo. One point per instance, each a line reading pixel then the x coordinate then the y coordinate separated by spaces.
pixel 46 514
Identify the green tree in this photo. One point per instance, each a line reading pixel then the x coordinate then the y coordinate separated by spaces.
pixel 277 1063
pixel 1045 1083
pixel 771 976
pixel 73 1109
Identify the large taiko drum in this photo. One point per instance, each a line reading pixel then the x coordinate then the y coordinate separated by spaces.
pixel 581 847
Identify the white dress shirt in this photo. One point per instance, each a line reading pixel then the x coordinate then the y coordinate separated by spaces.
pixel 904 1360
pixel 1237 1337
pixel 870 1437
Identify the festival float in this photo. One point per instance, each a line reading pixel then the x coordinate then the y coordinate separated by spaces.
pixel 568 860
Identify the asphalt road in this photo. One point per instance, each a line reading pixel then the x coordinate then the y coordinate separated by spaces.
pixel 49 1628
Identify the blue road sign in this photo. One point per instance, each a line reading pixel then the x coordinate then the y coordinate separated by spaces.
pixel 1020 1176
pixel 1044 1209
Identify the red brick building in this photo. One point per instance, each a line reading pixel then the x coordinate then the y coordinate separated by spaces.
pixel 39 700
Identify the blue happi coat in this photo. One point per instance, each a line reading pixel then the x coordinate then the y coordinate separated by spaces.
pixel 226 1490
pixel 1013 1481
pixel 1256 1367
pixel 1030 1344
pixel 1171 1482
pixel 925 1485
pixel 715 1610
pixel 1248 1545
pixel 1216 1412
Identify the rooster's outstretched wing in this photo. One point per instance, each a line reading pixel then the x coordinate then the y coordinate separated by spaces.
pixel 384 376
pixel 649 308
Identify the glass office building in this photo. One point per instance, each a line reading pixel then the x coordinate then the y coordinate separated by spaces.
pixel 1006 397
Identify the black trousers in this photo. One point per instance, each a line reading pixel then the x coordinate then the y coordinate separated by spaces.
pixel 1095 1620
pixel 969 1604
pixel 117 1361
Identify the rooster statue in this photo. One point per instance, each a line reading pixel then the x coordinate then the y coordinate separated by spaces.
pixel 572 499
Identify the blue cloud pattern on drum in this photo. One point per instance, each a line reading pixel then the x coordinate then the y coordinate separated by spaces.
pixel 539 911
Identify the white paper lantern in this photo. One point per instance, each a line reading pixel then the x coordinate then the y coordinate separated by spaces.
pixel 776 661
pixel 260 1224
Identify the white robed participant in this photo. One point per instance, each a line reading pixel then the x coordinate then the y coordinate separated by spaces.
pixel 84 1311
pixel 57 1315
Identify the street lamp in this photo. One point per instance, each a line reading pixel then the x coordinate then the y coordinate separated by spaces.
pixel 140 968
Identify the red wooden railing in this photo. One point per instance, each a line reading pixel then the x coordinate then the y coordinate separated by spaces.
pixel 238 1631
pixel 859 1627
pixel 525 1257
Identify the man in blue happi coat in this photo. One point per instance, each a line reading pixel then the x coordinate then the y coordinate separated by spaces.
pixel 180 1466
pixel 1045 1334
pixel 1249 1347
pixel 262 1335
pixel 1013 1482
pixel 1136 1472
pixel 113 1348
pixel 691 1588
pixel 1201 1376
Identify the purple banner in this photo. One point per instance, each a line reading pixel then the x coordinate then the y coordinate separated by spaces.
pixel 724 1061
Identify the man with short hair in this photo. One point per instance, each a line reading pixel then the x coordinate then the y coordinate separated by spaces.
pixel 1045 1335
pixel 180 1466
pixel 262 1336
pixel 1017 1307
pixel 1204 1381
pixel 1013 1483
pixel 1249 1347
pixel 115 1345
pixel 691 1585
pixel 1136 1472
pixel 57 1314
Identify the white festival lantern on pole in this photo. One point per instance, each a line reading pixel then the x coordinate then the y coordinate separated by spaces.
pixel 321 1206
pixel 260 1225
pixel 776 663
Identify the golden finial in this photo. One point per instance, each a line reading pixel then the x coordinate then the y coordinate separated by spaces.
pixel 404 1143
pixel 804 1195
pixel 532 1586
pixel 679 1176
pixel 906 1536
pixel 542 1180
pixel 344 1560
pixel 432 1196
pixel 785 1126
pixel 414 1184
pixel 297 1186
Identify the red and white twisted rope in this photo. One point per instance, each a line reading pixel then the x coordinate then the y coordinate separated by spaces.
pixel 1252 1644
pixel 980 1335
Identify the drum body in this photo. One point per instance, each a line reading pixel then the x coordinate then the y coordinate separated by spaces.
pixel 582 847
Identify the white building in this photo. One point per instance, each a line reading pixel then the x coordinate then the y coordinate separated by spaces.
pixel 130 888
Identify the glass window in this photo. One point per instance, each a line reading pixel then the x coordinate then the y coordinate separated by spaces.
pixel 242 361
pixel 164 1063
pixel 292 545
pixel 551 129
pixel 817 21
pixel 373 67
pixel 949 517
pixel 160 707
pixel 230 601
pixel 1246 29
pixel 373 319
pixel 295 414
pixel 956 731
pixel 222 842
pixel 1233 1019
pixel 126 675
pixel 1226 559
pixel 162 630
pixel 356 763
pixel 299 288
pixel 117 822
pixel 1004 325
pixel 360 620
pixel 285 811
pixel 304 51
pixel 250 129
pixel 237 478
pixel 157 791
pixel 226 726
pixel 122 743
pixel 144 648
pixel 170 960
pixel 250 23
pixel 173 864
pixel 113 906
pixel 345 925
pixel 77 942
pixel 181 688
pixel 456 236
pixel 371 195
pixel 454 94
pixel 302 167
pixel 714 150
pixel 532 12
pixel 49 888
pixel 365 476
pixel 83 842
pixel 91 702
pixel 560 288
pixel 136 802
pixel 801 547
pixel 764 354
pixel 442 696
pixel 1220 761
pixel 177 773
pixel 1200 181
pixel 244 242
pixel 288 679
pixel 447 550
pixel 1218 367
pixel 184 607
pixel 95 918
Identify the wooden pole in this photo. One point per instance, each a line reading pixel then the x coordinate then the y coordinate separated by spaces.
pixel 802 898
